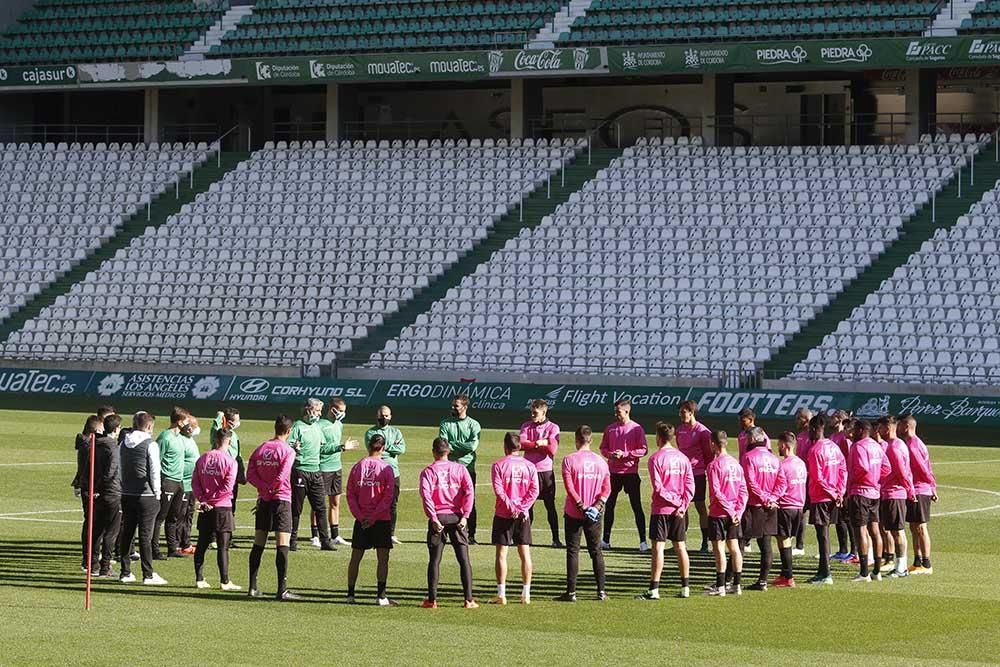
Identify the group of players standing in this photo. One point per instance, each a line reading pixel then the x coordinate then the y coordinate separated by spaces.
pixel 867 481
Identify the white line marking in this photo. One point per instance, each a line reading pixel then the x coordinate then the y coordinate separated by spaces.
pixel 957 463
pixel 11 515
pixel 39 463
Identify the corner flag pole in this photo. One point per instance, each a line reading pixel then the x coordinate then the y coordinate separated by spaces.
pixel 90 522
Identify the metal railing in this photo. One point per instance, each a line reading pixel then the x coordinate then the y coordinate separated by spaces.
pixel 418 129
pixel 72 133
pixel 196 133
pixel 300 131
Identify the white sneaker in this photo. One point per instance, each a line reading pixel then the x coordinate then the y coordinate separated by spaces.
pixel 733 589
pixel 201 584
pixel 386 602
pixel 685 592
pixel 340 541
pixel 315 542
pixel 155 580
pixel 877 577
pixel 748 548
pixel 866 579
pixel 798 552
pixel 127 578
pixel 605 546
pixel 643 547
pixel 395 540
pixel 230 586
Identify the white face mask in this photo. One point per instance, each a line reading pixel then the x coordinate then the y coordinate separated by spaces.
pixel 196 431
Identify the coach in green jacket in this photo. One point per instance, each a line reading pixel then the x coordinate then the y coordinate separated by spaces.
pixel 395 447
pixel 462 434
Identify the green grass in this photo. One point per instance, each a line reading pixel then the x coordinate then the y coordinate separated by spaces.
pixel 948 618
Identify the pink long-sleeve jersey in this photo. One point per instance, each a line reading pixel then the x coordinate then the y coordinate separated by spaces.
pixel 866 465
pixel 802 446
pixel 761 469
pixel 898 484
pixel 924 481
pixel 695 442
pixel 792 479
pixel 728 487
pixel 540 457
pixel 213 479
pixel 743 440
pixel 370 488
pixel 827 472
pixel 587 480
pixel 842 441
pixel 269 470
pixel 515 483
pixel 672 478
pixel 446 488
pixel 628 438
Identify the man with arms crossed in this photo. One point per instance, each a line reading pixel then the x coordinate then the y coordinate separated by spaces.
pixel 515 483
pixel 270 472
pixel 672 480
pixel 446 494
pixel 623 445
pixel 540 442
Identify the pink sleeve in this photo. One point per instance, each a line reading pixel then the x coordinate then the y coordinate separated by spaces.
pixel 743 499
pixel 658 487
pixel 230 474
pixel 570 486
pixel 640 447
pixel 605 446
pixel 470 492
pixel 425 493
pixel 352 491
pixel 197 488
pixel 388 479
pixel 606 487
pixel 688 486
pixel 532 495
pixel 525 442
pixel 705 438
pixel 780 485
pixel 553 445
pixel 286 467
pixel 497 479
pixel 906 473
pixel 751 482
pixel 252 477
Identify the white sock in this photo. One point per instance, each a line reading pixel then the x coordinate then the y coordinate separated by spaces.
pixel 901 563
pixel 501 590
pixel 654 592
pixel 526 591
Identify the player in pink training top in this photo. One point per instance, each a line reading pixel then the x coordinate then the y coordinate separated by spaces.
pixel 827 471
pixel 694 440
pixel 918 512
pixel 840 423
pixel 515 483
pixel 897 489
pixel 212 485
pixel 588 484
pixel 791 483
pixel 802 417
pixel 269 470
pixel 540 442
pixel 623 445
pixel 762 471
pixel 371 487
pixel 728 489
pixel 866 465
pixel 672 479
pixel 447 494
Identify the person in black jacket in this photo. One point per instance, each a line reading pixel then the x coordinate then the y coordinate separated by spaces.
pixel 107 495
pixel 93 426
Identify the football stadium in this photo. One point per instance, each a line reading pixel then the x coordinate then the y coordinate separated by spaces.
pixel 524 330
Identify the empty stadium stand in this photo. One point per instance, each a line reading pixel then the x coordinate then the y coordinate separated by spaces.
pixel 83 31
pixel 985 18
pixel 934 321
pixel 60 202
pixel 663 264
pixel 294 253
pixel 657 21
pixel 284 27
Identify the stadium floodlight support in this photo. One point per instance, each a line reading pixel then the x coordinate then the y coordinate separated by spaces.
pixel 90 522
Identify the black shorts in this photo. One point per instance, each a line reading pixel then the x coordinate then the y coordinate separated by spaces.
pixel 333 483
pixel 457 536
pixel 218 519
pixel 511 532
pixel 759 522
pixel 892 513
pixel 667 528
pixel 273 515
pixel 376 536
pixel 789 522
pixel 823 514
pixel 723 528
pixel 863 511
pixel 546 484
pixel 700 488
pixel 919 510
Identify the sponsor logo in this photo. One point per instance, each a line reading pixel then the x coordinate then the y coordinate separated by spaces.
pixel 456 66
pixel 765 404
pixel 692 59
pixel 697 58
pixel 328 70
pixel 963 408
pixel 538 61
pixel 317 70
pixel 580 57
pixel 782 56
pixel 3 74
pixel 496 61
pixel 484 396
pixel 984 49
pixel 111 385
pixel 551 397
pixel 263 71
pixel 38 76
pixel 927 51
pixel 630 61
pixel 35 382
pixel 836 55
pixel 205 387
pixel 874 407
pixel 254 386
pixel 393 67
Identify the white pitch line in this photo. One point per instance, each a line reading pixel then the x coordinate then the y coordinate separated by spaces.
pixel 957 463
pixel 39 463
pixel 12 515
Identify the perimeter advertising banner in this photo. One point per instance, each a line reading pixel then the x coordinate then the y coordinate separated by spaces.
pixel 582 397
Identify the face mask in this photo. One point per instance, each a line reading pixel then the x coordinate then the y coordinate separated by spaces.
pixel 339 416
pixel 312 419
pixel 186 430
pixel 383 422
pixel 234 425
pixel 196 432
pixel 454 412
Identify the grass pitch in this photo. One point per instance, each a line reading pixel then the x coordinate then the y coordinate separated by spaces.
pixel 950 617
